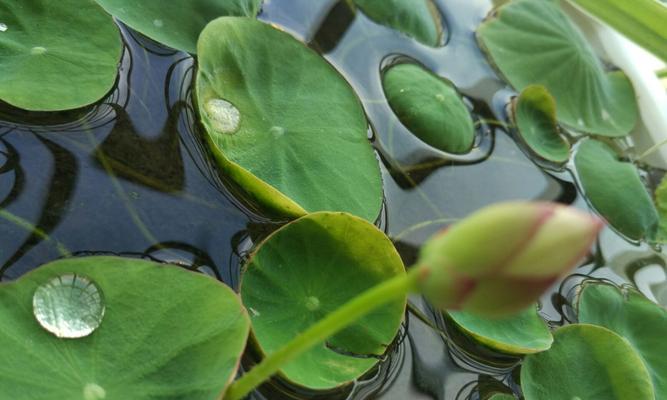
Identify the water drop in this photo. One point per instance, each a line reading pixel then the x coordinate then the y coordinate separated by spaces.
pixel 3 27
pixel 312 303
pixel 37 50
pixel 93 391
pixel 69 306
pixel 158 23
pixel 580 122
pixel 223 115
pixel 440 97
pixel 277 131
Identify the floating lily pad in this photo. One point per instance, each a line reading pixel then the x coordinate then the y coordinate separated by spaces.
pixel 615 190
pixel 523 333
pixel 430 107
pixel 56 55
pixel 533 42
pixel 535 117
pixel 634 317
pixel 306 270
pixel 167 333
pixel 298 127
pixel 177 23
pixel 419 19
pixel 586 362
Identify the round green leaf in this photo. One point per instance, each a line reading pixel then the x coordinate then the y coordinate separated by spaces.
pixel 430 107
pixel 309 268
pixel 634 317
pixel 419 19
pixel 56 55
pixel 615 190
pixel 523 333
pixel 586 362
pixel 167 333
pixel 298 123
pixel 535 118
pixel 176 23
pixel 533 42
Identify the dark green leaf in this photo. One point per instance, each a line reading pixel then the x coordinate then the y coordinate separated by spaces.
pixel 430 107
pixel 309 268
pixel 615 190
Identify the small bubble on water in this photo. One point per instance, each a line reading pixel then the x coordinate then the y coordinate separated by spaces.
pixel 223 115
pixel 69 306
pixel 3 27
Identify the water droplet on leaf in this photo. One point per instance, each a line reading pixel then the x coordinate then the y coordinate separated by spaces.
pixel 312 303
pixel 223 115
pixel 277 131
pixel 158 23
pixel 69 306
pixel 37 50
pixel 3 27
pixel 93 391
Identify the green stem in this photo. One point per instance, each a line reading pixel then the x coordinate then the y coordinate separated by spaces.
pixel 351 311
pixel 20 222
pixel 642 21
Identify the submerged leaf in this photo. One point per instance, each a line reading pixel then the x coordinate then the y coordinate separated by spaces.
pixel 176 23
pixel 523 333
pixel 309 268
pixel 634 317
pixel 419 19
pixel 615 189
pixel 586 362
pixel 167 333
pixel 430 107
pixel 534 42
pixel 535 117
pixel 300 143
pixel 56 55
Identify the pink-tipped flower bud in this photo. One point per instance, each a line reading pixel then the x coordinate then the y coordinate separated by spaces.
pixel 501 259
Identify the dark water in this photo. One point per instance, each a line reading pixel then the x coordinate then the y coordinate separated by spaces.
pixel 130 176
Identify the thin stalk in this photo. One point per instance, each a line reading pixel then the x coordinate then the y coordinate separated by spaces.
pixel 651 150
pixel 642 21
pixel 333 323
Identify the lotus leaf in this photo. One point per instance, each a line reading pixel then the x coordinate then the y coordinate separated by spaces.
pixel 419 19
pixel 167 333
pixel 535 118
pixel 586 362
pixel 534 42
pixel 615 190
pixel 283 123
pixel 309 268
pixel 177 23
pixel 523 333
pixel 430 107
pixel 634 317
pixel 56 55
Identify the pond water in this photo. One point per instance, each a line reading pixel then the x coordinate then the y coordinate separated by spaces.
pixel 131 176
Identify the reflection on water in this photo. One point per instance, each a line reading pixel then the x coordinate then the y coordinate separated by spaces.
pixel 131 175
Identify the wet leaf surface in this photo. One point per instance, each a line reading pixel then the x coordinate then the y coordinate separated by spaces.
pixel 167 333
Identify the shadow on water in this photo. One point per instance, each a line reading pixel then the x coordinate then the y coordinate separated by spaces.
pixel 132 176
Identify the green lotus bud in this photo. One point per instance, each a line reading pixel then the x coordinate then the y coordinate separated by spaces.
pixel 501 259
